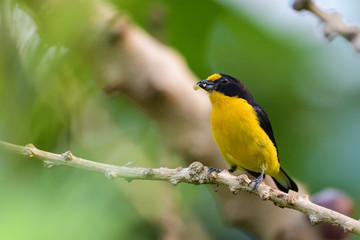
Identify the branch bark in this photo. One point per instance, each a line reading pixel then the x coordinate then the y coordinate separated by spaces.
pixel 333 24
pixel 195 174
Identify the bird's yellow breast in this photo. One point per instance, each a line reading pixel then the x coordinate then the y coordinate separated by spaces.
pixel 239 136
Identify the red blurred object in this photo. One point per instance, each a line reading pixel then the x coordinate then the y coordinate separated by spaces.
pixel 337 201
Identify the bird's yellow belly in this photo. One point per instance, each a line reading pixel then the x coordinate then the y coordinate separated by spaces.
pixel 241 139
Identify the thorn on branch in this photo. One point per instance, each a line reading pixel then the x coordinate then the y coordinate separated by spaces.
pixel 314 219
pixel 293 199
pixel 174 181
pixel 110 174
pixel 349 228
pixel 129 180
pixel 49 164
pixel 306 196
pixel 28 151
pixel 234 189
pixel 67 156
pixel 148 172
pixel 129 164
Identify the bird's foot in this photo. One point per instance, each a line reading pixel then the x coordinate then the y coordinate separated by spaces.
pixel 256 181
pixel 215 170
pixel 232 169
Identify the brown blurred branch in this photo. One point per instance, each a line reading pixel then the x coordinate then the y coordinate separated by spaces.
pixel 195 174
pixel 333 23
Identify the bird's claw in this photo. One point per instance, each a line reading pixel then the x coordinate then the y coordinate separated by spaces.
pixel 256 181
pixel 216 170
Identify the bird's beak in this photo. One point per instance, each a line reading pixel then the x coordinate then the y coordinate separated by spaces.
pixel 204 84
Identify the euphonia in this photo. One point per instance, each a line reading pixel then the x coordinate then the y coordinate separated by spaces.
pixel 242 131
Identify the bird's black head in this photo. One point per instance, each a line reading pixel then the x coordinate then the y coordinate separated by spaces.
pixel 225 84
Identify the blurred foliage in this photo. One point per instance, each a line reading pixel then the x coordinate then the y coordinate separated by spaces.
pixel 310 90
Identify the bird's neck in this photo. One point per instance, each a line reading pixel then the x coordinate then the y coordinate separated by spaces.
pixel 219 100
pixel 226 107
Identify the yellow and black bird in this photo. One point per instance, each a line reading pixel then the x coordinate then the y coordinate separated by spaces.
pixel 243 132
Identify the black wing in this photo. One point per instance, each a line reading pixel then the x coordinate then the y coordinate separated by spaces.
pixel 265 124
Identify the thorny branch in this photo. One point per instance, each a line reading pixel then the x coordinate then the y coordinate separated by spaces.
pixel 195 174
pixel 333 23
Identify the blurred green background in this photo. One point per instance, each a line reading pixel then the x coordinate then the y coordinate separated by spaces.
pixel 309 87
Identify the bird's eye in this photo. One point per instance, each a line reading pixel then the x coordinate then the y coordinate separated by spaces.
pixel 224 80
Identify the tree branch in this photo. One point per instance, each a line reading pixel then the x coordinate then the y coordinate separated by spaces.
pixel 333 23
pixel 195 174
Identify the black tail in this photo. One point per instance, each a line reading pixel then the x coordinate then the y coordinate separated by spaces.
pixel 284 182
